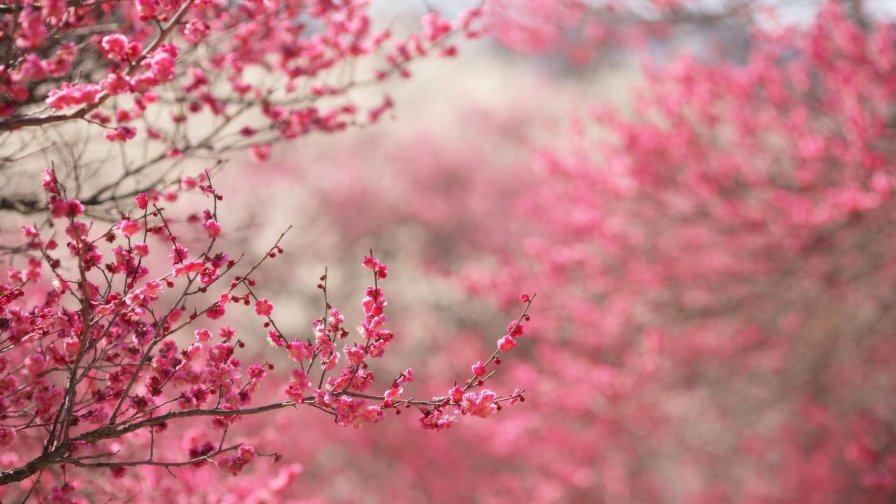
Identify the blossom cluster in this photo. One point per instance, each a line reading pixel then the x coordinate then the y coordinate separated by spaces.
pixel 92 352
pixel 207 57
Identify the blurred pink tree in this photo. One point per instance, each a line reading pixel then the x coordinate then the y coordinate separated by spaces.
pixel 718 281
pixel 715 276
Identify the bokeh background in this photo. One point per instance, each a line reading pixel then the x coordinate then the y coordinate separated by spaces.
pixel 680 351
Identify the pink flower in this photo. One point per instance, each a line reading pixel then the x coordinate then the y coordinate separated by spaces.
pixel 212 228
pixel 226 333
pixel 215 312
pixel 506 343
pixel 299 382
pixel 260 152
pixel 121 134
pixel 187 182
pixel 161 63
pixel 117 47
pixel 115 84
pixel 392 395
pixel 234 463
pixel 436 420
pixel 299 350
pixel 195 31
pixel 479 404
pixel 219 353
pixel 380 269
pixel 406 376
pixel 355 355
pixel 479 369
pixel 515 328
pixel 128 227
pixel 178 253
pixel 193 350
pixel 370 415
pixel 188 267
pixel 36 364
pixel 275 339
pixel 456 394
pixel 65 208
pixel 34 31
pixel 146 9
pixel 435 26
pixel 72 345
pixel 264 307
pixel 48 181
pixel 73 96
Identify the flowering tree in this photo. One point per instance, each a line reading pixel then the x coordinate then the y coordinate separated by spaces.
pixel 715 265
pixel 96 368
pixel 191 78
pixel 724 251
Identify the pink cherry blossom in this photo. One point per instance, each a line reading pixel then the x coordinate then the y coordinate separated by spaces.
pixel 128 228
pixel 263 307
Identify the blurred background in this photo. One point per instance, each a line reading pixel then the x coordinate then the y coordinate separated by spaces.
pixel 700 193
pixel 701 197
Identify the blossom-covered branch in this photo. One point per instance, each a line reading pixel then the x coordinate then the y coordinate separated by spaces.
pixel 93 351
